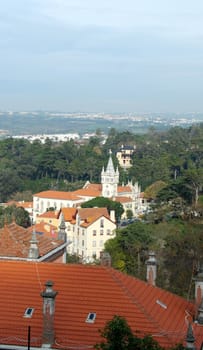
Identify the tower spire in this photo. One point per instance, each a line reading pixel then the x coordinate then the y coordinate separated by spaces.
pixel 109 179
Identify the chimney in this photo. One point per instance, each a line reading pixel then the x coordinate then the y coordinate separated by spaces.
pixel 199 292
pixel 151 268
pixel 190 340
pixel 105 259
pixel 33 252
pixel 112 215
pixel 62 230
pixel 48 296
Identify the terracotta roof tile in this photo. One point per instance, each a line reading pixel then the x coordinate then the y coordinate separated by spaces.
pixel 47 229
pixel 49 214
pixel 124 189
pixel 58 195
pixel 83 289
pixel 15 241
pixel 69 213
pixel 87 192
pixel 94 187
pixel 84 213
pixel 124 199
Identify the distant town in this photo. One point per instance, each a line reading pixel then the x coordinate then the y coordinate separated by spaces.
pixel 80 123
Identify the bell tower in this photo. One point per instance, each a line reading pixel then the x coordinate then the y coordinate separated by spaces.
pixel 109 179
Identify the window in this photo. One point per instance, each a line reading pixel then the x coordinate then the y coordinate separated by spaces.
pixel 101 232
pixel 28 312
pixel 83 243
pixel 94 243
pixel 102 223
pixel 94 232
pixel 68 228
pixel 83 232
pixel 91 317
pixel 101 243
pixel 108 232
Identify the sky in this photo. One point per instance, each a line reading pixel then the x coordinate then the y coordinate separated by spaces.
pixel 101 56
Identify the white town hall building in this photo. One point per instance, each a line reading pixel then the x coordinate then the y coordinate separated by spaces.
pixel 128 195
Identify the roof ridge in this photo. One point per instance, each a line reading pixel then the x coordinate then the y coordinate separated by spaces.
pixel 137 303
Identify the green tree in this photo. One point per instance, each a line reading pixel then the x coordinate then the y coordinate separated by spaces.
pixel 18 214
pixel 118 335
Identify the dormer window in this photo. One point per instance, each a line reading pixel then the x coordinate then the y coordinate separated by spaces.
pixel 29 312
pixel 91 317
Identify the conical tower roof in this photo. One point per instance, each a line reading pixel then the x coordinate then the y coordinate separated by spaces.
pixel 110 167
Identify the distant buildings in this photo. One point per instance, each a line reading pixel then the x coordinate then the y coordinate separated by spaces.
pixel 53 137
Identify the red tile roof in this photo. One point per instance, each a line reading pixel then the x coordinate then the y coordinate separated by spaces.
pixel 46 229
pixel 88 192
pixel 83 289
pixel 49 214
pixel 69 213
pixel 57 195
pixel 124 189
pixel 90 215
pixel 22 204
pixel 84 213
pixel 15 242
pixel 124 199
pixel 95 187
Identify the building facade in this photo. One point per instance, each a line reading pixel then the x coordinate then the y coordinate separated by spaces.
pixel 87 231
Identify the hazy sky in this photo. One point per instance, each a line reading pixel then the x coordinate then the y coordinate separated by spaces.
pixel 101 55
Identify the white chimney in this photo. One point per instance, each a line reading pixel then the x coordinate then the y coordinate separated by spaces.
pixel 112 215
pixel 151 268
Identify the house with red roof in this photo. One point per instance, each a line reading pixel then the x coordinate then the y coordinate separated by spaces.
pixel 63 306
pixel 48 217
pixel 88 229
pixel 56 200
pixel 33 243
